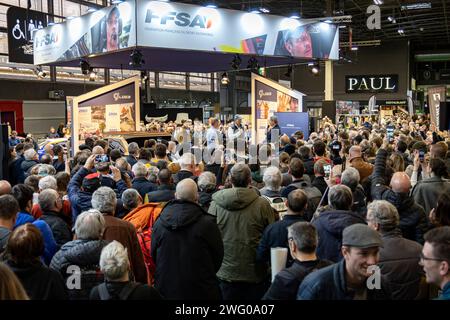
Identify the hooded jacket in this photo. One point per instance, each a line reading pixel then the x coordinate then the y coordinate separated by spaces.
pixel 188 251
pixel 427 191
pixel 329 225
pixel 242 216
pixel 143 186
pixel 413 222
pixel 40 282
pixel 60 229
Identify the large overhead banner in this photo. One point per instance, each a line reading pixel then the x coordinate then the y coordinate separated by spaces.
pixel 178 26
pixel 105 30
pixel 436 95
pixel 270 98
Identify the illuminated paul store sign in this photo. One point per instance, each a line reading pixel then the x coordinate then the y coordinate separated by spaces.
pixel 179 26
pixel 371 83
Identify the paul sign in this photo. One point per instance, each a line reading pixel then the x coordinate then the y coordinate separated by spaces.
pixel 371 83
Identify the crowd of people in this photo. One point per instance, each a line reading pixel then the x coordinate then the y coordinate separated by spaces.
pixel 364 214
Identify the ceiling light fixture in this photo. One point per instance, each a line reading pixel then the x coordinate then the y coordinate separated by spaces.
pixel 136 59
pixel 236 62
pixel 224 79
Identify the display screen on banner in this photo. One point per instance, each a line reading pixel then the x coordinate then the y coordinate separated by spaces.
pixel 291 122
pixel 105 30
pixel 180 26
pixel 269 98
pixel 22 25
pixel 113 111
pixel 435 96
pixel 347 107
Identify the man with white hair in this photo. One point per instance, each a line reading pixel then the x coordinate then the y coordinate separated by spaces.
pixel 207 186
pixel 140 181
pixel 272 181
pixel 83 252
pixel 31 159
pixel 51 205
pixel 133 152
pixel 350 178
pixel 48 182
pixel 104 200
pixel 185 228
pixel 187 164
pixel 115 266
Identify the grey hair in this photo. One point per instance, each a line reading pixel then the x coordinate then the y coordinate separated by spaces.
pixel 47 199
pixel 272 178
pixel 384 214
pixel 187 190
pixel 340 197
pixel 274 119
pixel 350 177
pixel 48 182
pixel 304 235
pixel 133 148
pixel 140 170
pixel 104 200
pixel 90 225
pixel 29 154
pixel 114 261
pixel 206 181
pixel 186 160
pixel 98 150
pixel 240 175
pixel 130 198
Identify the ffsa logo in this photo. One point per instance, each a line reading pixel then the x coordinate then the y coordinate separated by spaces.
pixel 181 19
pixel 46 39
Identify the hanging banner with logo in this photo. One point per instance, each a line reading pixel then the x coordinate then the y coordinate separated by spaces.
pixel 371 83
pixel 110 110
pixel 22 25
pixel 178 26
pixel 268 99
pixel 435 96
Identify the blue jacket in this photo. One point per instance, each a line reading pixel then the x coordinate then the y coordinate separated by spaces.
pixel 445 294
pixel 276 235
pixel 143 186
pixel 329 284
pixel 330 225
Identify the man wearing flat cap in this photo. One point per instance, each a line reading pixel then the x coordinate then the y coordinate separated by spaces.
pixel 355 276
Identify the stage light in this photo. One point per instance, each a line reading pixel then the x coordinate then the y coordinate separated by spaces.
pixel 289 71
pixel 92 74
pixel 224 79
pixel 85 67
pixel 136 59
pixel 264 10
pixel 314 68
pixel 236 62
pixel 294 16
pixel 40 73
pixel 252 64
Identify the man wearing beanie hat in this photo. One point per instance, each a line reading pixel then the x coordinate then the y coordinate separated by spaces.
pixel 353 278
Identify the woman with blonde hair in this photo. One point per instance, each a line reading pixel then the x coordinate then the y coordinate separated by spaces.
pixel 10 286
pixel 397 162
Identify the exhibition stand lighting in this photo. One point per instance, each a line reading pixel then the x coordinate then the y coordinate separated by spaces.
pixel 92 74
pixel 314 68
pixel 136 58
pixel 253 64
pixel 40 73
pixel 289 71
pixel 236 62
pixel 85 67
pixel 224 79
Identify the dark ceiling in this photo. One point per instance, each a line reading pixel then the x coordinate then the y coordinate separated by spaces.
pixel 425 27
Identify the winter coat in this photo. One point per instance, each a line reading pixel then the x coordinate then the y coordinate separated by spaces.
pixel 413 221
pixel 242 217
pixel 364 168
pixel 309 167
pixel 60 229
pixel 329 283
pixel 85 254
pixel 329 225
pixel 141 292
pixel 131 160
pixel 320 183
pixel 26 165
pixel 399 263
pixel 276 235
pixel 427 192
pixel 164 193
pixel 314 195
pixel 187 248
pixel 39 281
pixel 143 186
pixel 205 198
pixel 183 174
pixel 359 201
pixel 286 282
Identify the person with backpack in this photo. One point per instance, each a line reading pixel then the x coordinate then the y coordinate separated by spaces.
pixel 271 192
pixel 303 241
pixel 275 234
pixel 115 265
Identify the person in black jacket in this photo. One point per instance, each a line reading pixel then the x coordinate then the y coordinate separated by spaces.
pixel 140 182
pixel 413 221
pixel 350 178
pixel 333 221
pixel 303 240
pixel 319 173
pixel 349 279
pixel 187 165
pixel 276 234
pixel 166 188
pixel 25 247
pixel 51 205
pixel 187 248
pixel 115 265
pixel 207 187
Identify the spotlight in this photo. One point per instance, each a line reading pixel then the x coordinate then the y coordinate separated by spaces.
pixel 314 68
pixel 85 66
pixel 136 58
pixel 390 19
pixel 401 32
pixel 236 62
pixel 252 64
pixel 224 79
pixel 264 10
pixel 144 76
pixel 92 74
pixel 40 73
pixel 289 71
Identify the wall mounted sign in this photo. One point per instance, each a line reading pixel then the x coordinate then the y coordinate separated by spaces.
pixel 371 83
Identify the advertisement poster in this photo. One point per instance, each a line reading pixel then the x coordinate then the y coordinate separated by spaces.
pixel 179 26
pixel 347 107
pixel 291 122
pixel 435 96
pixel 111 109
pixel 270 98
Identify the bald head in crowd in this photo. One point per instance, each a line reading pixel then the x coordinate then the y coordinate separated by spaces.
pixel 296 202
pixel 400 182
pixel 5 187
pixel 187 190
pixel 98 150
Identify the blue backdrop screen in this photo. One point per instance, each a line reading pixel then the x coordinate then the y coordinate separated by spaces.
pixel 291 122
